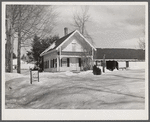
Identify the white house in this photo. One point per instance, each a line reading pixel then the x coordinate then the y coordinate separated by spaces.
pixel 68 53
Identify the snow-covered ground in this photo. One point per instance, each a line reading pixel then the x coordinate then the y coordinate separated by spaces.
pixel 123 89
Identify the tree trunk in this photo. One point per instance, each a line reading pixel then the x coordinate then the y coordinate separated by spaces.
pixel 9 49
pixel 19 42
pixel 19 53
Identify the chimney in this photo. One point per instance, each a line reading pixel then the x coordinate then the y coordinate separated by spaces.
pixel 65 31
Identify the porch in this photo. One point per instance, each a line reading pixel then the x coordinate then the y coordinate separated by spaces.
pixel 73 61
pixel 67 61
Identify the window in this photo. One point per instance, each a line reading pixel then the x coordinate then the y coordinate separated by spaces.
pixel 46 64
pixel 64 62
pixel 73 46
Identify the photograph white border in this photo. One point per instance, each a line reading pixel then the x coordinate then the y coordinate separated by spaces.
pixel 77 114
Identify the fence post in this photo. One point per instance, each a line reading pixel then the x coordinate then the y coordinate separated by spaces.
pixel 30 76
pixel 38 75
pixel 104 63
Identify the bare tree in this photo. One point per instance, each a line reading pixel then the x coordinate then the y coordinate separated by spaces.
pixel 31 20
pixel 80 20
pixel 142 42
pixel 11 17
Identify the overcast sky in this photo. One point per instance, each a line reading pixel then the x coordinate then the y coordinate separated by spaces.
pixel 110 26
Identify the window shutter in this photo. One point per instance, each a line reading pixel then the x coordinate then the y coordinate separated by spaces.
pixel 48 63
pixel 56 62
pixel 79 62
pixel 53 63
pixel 68 63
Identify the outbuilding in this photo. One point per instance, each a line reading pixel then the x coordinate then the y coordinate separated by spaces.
pixel 119 58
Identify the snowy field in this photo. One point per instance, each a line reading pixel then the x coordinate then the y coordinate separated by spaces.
pixel 123 89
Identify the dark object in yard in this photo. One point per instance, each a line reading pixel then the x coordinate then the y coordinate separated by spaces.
pixel 96 70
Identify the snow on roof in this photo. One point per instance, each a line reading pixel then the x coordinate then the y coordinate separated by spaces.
pixel 57 43
pixel 52 46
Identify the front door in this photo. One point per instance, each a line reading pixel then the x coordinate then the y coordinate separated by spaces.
pixel 73 63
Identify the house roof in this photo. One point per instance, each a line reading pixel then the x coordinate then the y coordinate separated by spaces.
pixel 60 41
pixel 55 44
pixel 116 53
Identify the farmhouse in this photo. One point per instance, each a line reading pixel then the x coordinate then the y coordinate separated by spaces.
pixel 119 58
pixel 71 52
pixel 74 52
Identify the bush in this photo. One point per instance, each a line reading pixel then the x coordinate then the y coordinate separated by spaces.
pixel 96 70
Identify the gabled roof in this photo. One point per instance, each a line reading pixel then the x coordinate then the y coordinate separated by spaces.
pixel 56 43
pixel 118 53
pixel 59 42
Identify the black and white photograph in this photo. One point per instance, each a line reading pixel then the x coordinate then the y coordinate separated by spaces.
pixel 74 60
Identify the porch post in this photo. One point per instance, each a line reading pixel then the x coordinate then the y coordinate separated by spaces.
pixel 92 57
pixel 92 54
pixel 58 68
